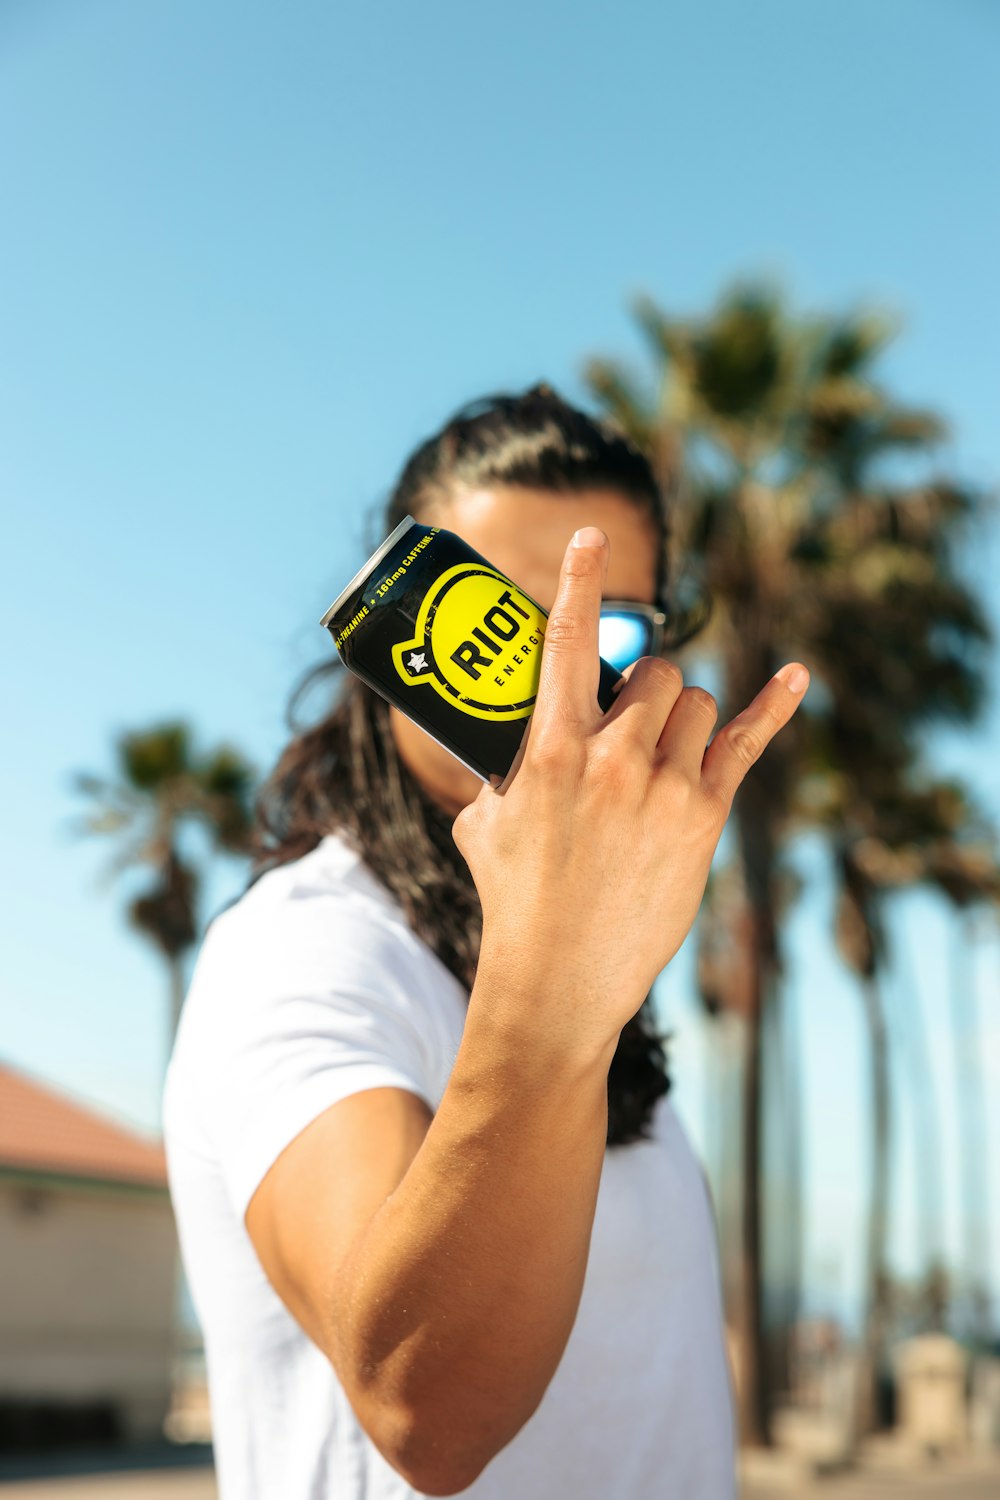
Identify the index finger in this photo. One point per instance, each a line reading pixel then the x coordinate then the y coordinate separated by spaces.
pixel 744 739
pixel 570 668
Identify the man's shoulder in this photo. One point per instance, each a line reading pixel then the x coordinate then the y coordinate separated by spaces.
pixel 312 948
pixel 318 925
pixel 333 868
pixel 324 892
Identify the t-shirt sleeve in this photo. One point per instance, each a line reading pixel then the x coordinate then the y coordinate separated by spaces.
pixel 300 1004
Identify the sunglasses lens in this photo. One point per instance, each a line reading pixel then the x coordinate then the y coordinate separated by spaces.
pixel 624 637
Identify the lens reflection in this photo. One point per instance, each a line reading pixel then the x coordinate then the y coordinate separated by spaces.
pixel 623 638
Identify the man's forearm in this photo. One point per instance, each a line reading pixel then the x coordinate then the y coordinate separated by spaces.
pixel 463 1291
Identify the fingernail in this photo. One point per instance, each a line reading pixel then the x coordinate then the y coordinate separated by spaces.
pixel 795 678
pixel 588 536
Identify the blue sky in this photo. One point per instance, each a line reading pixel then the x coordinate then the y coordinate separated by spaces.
pixel 253 253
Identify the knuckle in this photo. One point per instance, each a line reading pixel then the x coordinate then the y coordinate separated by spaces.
pixel 666 674
pixel 745 743
pixel 776 720
pixel 702 699
pixel 616 763
pixel 554 752
pixel 465 822
pixel 674 781
pixel 562 630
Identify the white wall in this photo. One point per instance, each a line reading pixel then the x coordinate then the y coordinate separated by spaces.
pixel 87 1286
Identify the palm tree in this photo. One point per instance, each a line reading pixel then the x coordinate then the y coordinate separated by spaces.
pixel 160 788
pixel 972 884
pixel 862 941
pixel 777 444
pixel 926 833
pixel 939 837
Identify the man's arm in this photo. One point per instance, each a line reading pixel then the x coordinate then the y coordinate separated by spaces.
pixel 439 1262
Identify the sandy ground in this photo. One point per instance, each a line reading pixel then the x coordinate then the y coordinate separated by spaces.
pixel 953 1481
pixel 944 1485
pixel 178 1484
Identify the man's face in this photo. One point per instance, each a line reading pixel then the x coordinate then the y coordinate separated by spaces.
pixel 524 533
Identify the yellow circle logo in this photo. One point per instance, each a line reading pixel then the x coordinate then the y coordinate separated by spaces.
pixel 478 643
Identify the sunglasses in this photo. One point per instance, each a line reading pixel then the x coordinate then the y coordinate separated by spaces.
pixel 629 629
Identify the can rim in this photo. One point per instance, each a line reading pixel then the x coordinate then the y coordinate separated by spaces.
pixel 366 567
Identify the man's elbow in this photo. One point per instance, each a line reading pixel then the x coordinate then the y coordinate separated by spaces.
pixel 439 1436
pixel 431 1456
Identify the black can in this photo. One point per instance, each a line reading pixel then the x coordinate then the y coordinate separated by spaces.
pixel 450 640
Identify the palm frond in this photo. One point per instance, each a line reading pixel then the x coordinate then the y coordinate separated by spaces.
pixel 852 343
pixel 153 756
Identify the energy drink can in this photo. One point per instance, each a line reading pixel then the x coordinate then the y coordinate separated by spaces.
pixel 450 640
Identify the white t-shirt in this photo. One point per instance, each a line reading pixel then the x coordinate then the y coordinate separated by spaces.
pixel 310 988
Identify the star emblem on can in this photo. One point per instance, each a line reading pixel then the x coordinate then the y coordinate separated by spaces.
pixel 417 661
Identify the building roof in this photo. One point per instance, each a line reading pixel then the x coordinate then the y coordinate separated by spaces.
pixel 43 1131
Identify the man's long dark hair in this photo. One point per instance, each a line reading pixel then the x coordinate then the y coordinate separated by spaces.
pixel 345 774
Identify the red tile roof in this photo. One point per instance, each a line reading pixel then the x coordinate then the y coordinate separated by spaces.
pixel 43 1131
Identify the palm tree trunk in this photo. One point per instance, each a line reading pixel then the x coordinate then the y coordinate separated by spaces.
pixel 974 1176
pixel 922 1093
pixel 782 1134
pixel 876 1312
pixel 754 1415
pixel 757 852
pixel 757 814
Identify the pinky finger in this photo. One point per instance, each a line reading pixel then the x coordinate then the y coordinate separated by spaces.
pixel 744 739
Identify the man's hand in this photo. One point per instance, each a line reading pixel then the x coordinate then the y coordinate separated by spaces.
pixel 591 856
